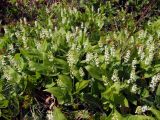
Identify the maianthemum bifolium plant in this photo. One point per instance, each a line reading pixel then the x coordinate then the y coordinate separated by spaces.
pixel 93 72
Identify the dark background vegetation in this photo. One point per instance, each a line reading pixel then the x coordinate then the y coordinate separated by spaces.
pixel 12 11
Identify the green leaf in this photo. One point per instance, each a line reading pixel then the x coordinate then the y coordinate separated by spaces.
pixel 59 93
pixel 38 67
pixel 19 61
pixel 58 115
pixel 44 46
pixel 61 63
pixel 16 78
pixel 1 85
pixel 49 85
pixel 3 103
pixel 66 82
pixel 93 102
pixel 0 113
pixel 115 115
pixel 113 94
pixel 115 88
pixel 156 113
pixel 14 108
pixel 157 68
pixel 94 72
pixel 145 93
pixel 158 90
pixel 138 117
pixel 81 85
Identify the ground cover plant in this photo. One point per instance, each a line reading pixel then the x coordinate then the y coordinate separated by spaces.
pixel 85 60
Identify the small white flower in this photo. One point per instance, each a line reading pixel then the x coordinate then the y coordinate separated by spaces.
pixel 92 8
pixel 142 34
pixel 98 11
pixel 96 59
pixel 142 56
pixel 64 20
pixel 6 75
pixel 36 23
pixel 132 76
pixel 78 48
pixel 115 77
pixel 72 57
pixel 154 82
pixel 149 41
pixel 11 48
pixel 82 25
pixel 47 11
pixel 113 51
pixel 114 117
pixel 44 34
pixel 100 43
pixel 3 62
pixel 25 20
pixel 134 62
pixel 86 44
pixel 10 58
pixel 81 72
pixel 144 108
pixel 17 33
pixel 51 58
pixel 149 58
pixel 38 45
pixel 141 52
pixel 55 28
pixel 68 36
pixel 77 28
pixel 6 30
pixel 106 55
pixel 134 88
pixel 89 57
pixel 24 39
pixel 50 115
pixel 104 78
pixel 126 32
pixel 127 57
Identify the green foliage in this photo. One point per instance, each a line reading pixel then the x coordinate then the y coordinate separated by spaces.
pixel 58 114
pixel 95 61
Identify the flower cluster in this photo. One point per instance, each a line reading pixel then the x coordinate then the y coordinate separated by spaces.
pixel 96 59
pixel 106 55
pixel 11 48
pixel 3 61
pixel 89 56
pixel 134 88
pixel 154 82
pixel 24 40
pixel 127 56
pixel 115 77
pixel 113 51
pixel 81 72
pixel 133 72
pixel 149 58
pixel 45 33
pixel 142 109
pixel 141 53
pixel 72 57
pixel 6 75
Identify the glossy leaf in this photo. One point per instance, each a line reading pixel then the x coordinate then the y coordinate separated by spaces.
pixel 81 85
